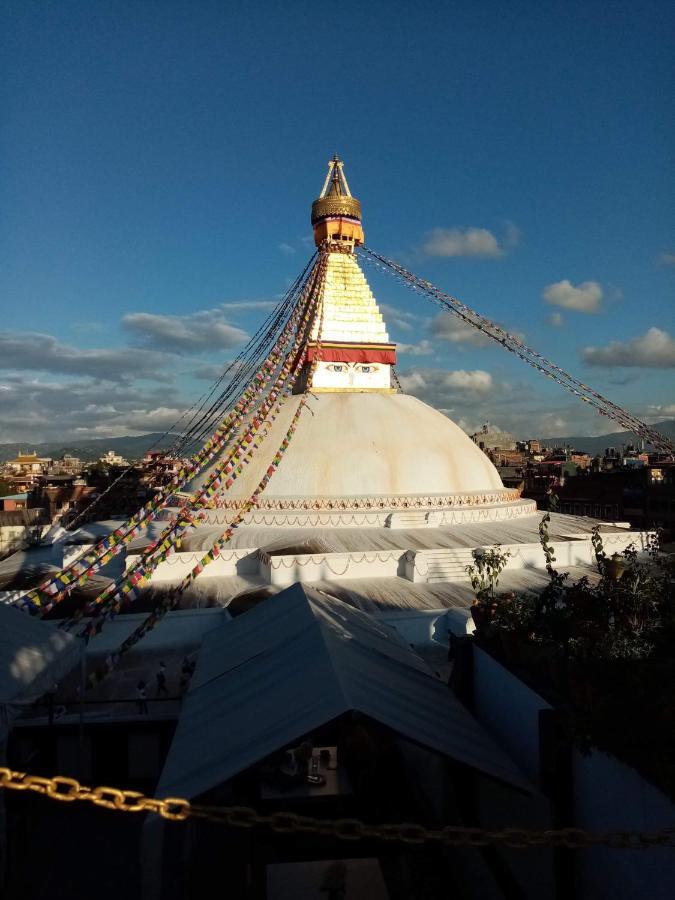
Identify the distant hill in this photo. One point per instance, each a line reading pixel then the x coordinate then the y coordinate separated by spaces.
pixel 129 447
pixel 132 448
pixel 595 445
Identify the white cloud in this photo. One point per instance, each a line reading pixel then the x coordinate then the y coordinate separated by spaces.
pixel 423 348
pixel 412 382
pixel 667 258
pixel 468 241
pixel 511 236
pixel 249 304
pixel 402 319
pixel 555 319
pixel 32 351
pixel 585 297
pixel 470 399
pixel 655 350
pixel 209 373
pixel 451 328
pixel 37 410
pixel 659 411
pixel 440 387
pixel 478 380
pixel 207 329
pixel 286 248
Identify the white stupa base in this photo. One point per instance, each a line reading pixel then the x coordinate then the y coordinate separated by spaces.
pixel 431 511
pixel 431 563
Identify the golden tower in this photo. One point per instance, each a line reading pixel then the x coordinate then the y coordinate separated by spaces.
pixel 356 354
pixel 336 215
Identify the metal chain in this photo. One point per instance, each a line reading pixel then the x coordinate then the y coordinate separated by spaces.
pixel 69 790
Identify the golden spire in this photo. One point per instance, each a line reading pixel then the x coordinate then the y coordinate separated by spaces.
pixel 336 215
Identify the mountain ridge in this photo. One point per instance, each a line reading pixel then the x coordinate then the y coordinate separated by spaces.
pixel 595 444
pixel 130 448
pixel 135 446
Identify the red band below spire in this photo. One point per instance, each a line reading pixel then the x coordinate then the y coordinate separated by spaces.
pixel 354 353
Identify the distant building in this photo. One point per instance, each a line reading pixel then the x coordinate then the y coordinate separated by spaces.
pixel 530 446
pixel 67 465
pixel 489 438
pixel 11 502
pixel 59 494
pixel 19 528
pixel 113 459
pixel 507 457
pixel 511 476
pixel 29 464
pixel 643 496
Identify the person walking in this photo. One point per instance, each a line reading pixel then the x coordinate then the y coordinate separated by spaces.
pixel 185 673
pixel 142 698
pixel 161 680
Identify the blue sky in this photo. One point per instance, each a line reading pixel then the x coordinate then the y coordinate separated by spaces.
pixel 159 161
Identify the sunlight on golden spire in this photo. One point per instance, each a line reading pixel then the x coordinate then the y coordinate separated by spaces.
pixel 336 215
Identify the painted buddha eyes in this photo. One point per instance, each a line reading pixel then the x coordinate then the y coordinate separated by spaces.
pixel 341 367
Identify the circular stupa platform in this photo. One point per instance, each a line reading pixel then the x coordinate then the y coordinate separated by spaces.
pixel 369 458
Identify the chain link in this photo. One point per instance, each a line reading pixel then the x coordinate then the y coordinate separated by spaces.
pixel 177 809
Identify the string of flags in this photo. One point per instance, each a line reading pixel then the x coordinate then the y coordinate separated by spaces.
pixel 136 579
pixel 54 589
pixel 514 345
pixel 222 477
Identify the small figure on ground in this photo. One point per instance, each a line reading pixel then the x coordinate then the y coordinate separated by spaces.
pixel 187 670
pixel 161 680
pixel 50 697
pixel 184 675
pixel 142 698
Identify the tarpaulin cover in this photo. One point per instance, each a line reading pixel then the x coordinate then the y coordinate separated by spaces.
pixel 298 661
pixel 33 656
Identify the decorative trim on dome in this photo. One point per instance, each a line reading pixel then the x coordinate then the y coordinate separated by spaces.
pixel 396 501
pixel 468 515
pixel 351 390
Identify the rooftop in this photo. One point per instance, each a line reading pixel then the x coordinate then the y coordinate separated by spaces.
pixel 296 663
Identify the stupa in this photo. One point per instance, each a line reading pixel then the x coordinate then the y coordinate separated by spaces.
pixel 363 445
pixel 377 493
pixel 353 494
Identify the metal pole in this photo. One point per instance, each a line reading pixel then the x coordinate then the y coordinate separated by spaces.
pixel 83 686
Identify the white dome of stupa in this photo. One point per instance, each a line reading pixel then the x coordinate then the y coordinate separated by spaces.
pixel 369 445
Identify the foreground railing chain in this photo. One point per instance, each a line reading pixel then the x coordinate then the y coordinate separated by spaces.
pixel 178 809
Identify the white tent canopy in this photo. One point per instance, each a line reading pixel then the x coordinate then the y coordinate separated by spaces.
pixel 296 662
pixel 33 656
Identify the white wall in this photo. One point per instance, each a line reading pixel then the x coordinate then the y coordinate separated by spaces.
pixel 419 626
pixel 330 566
pixel 509 709
pixel 609 795
pixel 178 565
